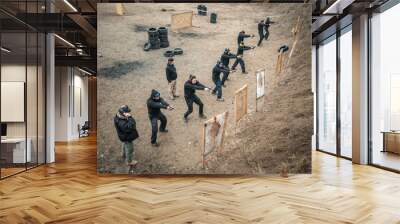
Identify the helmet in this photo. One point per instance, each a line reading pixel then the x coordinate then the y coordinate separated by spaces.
pixel 227 50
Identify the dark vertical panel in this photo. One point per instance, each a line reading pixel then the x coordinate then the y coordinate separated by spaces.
pixel 26 80
pixel 1 164
pixel 369 96
pixel 338 82
pixel 317 97
pixel 37 91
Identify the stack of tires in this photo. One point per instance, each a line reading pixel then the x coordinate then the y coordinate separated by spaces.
pixel 154 40
pixel 202 10
pixel 163 36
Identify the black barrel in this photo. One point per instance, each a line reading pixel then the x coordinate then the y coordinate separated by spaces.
pixel 213 17
pixel 202 10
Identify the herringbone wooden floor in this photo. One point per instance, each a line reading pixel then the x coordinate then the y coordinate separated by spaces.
pixel 70 191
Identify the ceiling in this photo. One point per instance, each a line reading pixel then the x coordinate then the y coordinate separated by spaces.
pixel 75 23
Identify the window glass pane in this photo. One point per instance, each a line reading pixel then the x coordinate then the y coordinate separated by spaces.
pixel 327 96
pixel 385 95
pixel 13 87
pixel 31 97
pixel 346 93
pixel 41 98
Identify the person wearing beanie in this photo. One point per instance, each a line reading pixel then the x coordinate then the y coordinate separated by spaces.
pixel 190 87
pixel 225 58
pixel 239 57
pixel 216 77
pixel 268 22
pixel 261 31
pixel 171 74
pixel 154 105
pixel 127 133
pixel 241 36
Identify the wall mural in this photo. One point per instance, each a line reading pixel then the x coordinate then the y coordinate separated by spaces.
pixel 194 89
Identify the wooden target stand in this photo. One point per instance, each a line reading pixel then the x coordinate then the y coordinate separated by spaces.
pixel 295 32
pixel 120 9
pixel 280 62
pixel 181 20
pixel 219 149
pixel 284 56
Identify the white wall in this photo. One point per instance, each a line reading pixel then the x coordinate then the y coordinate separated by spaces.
pixel 70 83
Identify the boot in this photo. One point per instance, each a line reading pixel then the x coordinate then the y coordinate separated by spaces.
pixel 202 116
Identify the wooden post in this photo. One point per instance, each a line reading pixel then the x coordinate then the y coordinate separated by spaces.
pixel 119 8
pixel 295 31
pixel 223 132
pixel 278 68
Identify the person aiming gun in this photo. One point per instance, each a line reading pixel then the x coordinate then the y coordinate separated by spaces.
pixel 225 59
pixel 154 105
pixel 216 77
pixel 239 57
pixel 190 87
pixel 268 22
pixel 242 35
pixel 263 31
pixel 125 126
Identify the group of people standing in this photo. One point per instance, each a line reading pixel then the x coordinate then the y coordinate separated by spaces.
pixel 125 123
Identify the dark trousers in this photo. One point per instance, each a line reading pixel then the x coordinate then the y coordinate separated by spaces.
pixel 189 102
pixel 154 126
pixel 262 36
pixel 266 35
pixel 225 77
pixel 218 88
pixel 241 62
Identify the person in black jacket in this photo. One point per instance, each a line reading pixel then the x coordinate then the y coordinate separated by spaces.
pixel 171 77
pixel 239 57
pixel 225 58
pixel 268 22
pixel 190 87
pixel 261 31
pixel 154 105
pixel 242 35
pixel 216 77
pixel 127 133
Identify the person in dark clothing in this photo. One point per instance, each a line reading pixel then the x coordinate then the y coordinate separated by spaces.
pixel 216 77
pixel 190 87
pixel 225 58
pixel 154 105
pixel 242 35
pixel 127 133
pixel 261 31
pixel 239 57
pixel 171 74
pixel 268 22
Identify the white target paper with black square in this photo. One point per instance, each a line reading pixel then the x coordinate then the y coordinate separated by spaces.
pixel 260 74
